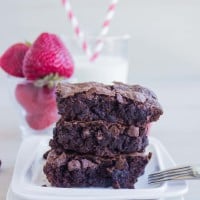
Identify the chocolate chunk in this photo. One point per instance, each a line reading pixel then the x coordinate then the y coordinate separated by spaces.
pixel 86 133
pixel 56 160
pixel 74 165
pixel 88 164
pixel 133 131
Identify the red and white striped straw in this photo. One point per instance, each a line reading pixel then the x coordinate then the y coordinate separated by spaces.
pixel 80 34
pixel 75 24
pixel 105 29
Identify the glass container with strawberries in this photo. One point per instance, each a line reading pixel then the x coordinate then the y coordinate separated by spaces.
pixel 34 69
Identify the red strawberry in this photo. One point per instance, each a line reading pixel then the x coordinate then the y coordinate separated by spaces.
pixel 26 95
pixel 41 121
pixel 39 104
pixel 47 55
pixel 11 61
pixel 35 99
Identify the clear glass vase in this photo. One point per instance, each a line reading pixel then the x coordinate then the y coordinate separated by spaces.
pixel 36 106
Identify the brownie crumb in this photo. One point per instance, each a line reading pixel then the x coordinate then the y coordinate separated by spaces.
pixel 46 154
pixel 44 185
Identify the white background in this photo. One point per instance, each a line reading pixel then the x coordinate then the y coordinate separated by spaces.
pixel 164 55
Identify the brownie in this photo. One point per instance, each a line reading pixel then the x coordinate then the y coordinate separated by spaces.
pixel 76 170
pixel 117 103
pixel 99 138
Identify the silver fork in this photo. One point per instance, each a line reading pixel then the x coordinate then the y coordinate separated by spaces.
pixel 179 173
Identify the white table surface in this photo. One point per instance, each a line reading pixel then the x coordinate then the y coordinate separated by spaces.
pixel 178 128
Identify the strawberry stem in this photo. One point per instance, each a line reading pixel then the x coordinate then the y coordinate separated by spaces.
pixel 27 43
pixel 49 81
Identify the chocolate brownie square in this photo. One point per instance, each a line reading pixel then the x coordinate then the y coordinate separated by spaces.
pixel 99 138
pixel 76 170
pixel 117 103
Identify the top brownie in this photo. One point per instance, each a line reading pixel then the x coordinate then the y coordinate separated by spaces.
pixel 117 103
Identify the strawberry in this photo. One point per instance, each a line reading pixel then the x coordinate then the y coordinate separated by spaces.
pixel 41 121
pixel 35 99
pixel 47 55
pixel 39 104
pixel 25 94
pixel 11 61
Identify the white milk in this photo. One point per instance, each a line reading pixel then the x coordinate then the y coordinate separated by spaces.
pixel 105 69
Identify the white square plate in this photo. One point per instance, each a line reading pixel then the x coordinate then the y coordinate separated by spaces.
pixel 28 178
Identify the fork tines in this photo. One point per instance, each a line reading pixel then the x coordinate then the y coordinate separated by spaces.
pixel 179 173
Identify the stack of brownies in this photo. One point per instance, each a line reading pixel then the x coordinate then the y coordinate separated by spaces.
pixel 101 136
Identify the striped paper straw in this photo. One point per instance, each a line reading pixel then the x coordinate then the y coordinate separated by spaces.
pixel 80 34
pixel 104 31
pixel 75 24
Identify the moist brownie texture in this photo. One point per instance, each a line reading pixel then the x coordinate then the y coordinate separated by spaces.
pixel 76 170
pixel 117 103
pixel 98 138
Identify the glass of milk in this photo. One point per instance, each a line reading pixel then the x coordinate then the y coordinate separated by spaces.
pixel 111 65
